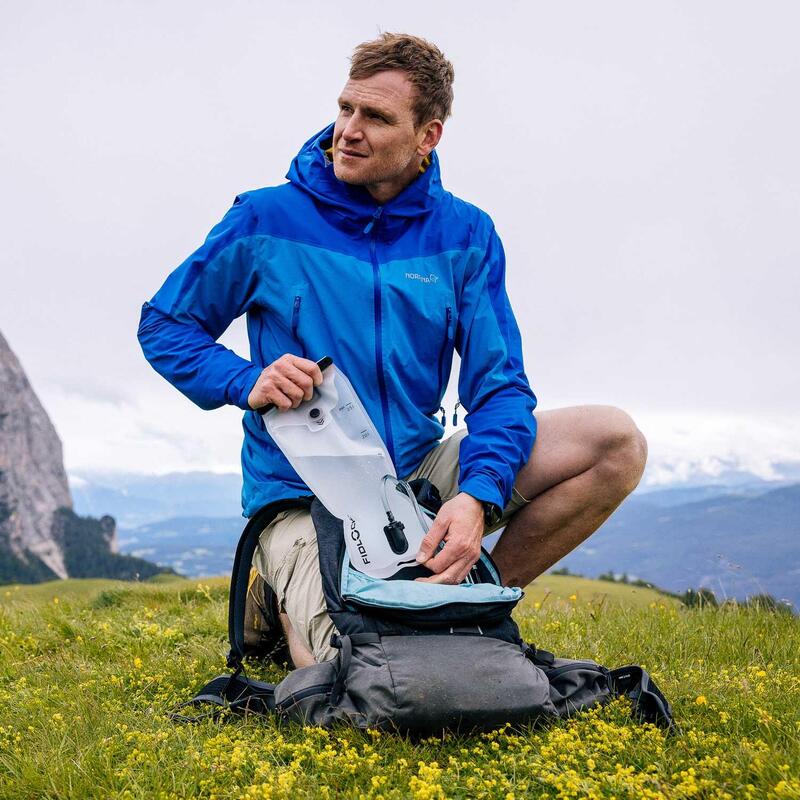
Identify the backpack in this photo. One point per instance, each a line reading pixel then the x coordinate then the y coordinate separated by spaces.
pixel 412 657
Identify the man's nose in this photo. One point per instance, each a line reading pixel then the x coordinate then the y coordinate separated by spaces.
pixel 353 129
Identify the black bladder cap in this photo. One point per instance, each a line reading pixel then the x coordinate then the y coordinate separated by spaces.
pixel 396 537
pixel 314 413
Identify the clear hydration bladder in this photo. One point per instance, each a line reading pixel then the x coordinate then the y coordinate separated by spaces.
pixel 334 447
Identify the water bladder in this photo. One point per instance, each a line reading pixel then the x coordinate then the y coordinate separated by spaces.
pixel 335 448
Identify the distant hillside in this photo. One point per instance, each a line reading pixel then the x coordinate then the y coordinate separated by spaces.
pixel 738 537
pixel 668 497
pixel 735 545
pixel 135 499
pixel 191 545
pixel 87 550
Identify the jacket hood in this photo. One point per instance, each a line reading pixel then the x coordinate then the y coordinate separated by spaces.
pixel 312 171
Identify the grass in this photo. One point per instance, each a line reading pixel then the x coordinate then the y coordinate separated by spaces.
pixel 89 668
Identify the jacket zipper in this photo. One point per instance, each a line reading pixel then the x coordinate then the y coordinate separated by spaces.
pixel 446 345
pixel 296 322
pixel 372 227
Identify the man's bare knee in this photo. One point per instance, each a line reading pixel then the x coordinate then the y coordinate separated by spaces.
pixel 622 451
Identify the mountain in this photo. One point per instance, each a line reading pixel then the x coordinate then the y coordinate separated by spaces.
pixel 191 545
pixel 734 544
pixel 89 547
pixel 737 535
pixel 41 537
pixel 136 500
pixel 680 495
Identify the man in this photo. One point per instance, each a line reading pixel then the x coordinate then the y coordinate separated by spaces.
pixel 364 257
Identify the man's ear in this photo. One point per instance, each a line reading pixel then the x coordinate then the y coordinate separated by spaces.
pixel 428 136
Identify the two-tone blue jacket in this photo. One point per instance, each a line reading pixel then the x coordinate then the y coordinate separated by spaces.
pixel 387 291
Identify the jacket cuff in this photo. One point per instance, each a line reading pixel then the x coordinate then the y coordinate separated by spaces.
pixel 241 386
pixel 483 488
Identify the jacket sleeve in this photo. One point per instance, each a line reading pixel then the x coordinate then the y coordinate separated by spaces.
pixel 198 301
pixel 492 384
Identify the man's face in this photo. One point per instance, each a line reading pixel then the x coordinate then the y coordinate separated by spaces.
pixel 375 140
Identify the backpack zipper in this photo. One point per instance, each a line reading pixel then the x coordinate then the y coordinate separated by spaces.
pixel 302 694
pixel 372 227
pixel 564 668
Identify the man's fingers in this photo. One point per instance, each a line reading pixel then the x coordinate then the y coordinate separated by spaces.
pixel 301 379
pixel 453 574
pixel 289 389
pixel 450 554
pixel 278 399
pixel 310 368
pixel 435 534
pixel 286 382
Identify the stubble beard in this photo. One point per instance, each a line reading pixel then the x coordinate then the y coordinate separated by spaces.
pixel 376 175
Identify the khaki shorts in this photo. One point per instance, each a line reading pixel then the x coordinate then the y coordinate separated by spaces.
pixel 287 555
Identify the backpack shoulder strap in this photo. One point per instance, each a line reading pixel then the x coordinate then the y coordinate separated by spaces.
pixel 649 703
pixel 234 693
pixel 241 572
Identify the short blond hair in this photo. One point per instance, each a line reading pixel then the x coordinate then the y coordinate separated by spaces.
pixel 431 74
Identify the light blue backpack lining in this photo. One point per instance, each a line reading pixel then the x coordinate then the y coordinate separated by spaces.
pixel 414 595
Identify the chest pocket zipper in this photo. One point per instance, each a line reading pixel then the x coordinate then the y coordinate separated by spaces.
pixel 446 346
pixel 296 322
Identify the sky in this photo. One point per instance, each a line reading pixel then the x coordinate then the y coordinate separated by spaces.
pixel 640 162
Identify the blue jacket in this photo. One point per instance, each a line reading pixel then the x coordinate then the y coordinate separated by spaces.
pixel 387 291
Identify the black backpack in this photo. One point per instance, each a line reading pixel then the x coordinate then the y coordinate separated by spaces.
pixel 413 657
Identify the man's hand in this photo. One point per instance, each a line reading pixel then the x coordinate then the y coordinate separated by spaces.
pixel 286 383
pixel 460 523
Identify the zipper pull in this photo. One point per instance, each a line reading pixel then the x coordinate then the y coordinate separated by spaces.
pixel 443 419
pixel 375 217
pixel 455 413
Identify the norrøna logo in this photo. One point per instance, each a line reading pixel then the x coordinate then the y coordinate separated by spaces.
pixel 356 537
pixel 415 276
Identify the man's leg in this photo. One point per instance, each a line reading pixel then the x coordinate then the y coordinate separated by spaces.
pixel 586 460
pixel 287 558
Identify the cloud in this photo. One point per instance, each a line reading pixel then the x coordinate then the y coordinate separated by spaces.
pixel 693 446
pixel 163 432
pixel 154 435
pixel 639 160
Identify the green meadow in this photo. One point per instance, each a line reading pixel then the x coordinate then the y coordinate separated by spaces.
pixel 89 670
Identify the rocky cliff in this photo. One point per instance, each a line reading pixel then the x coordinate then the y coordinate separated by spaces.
pixel 41 538
pixel 33 484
